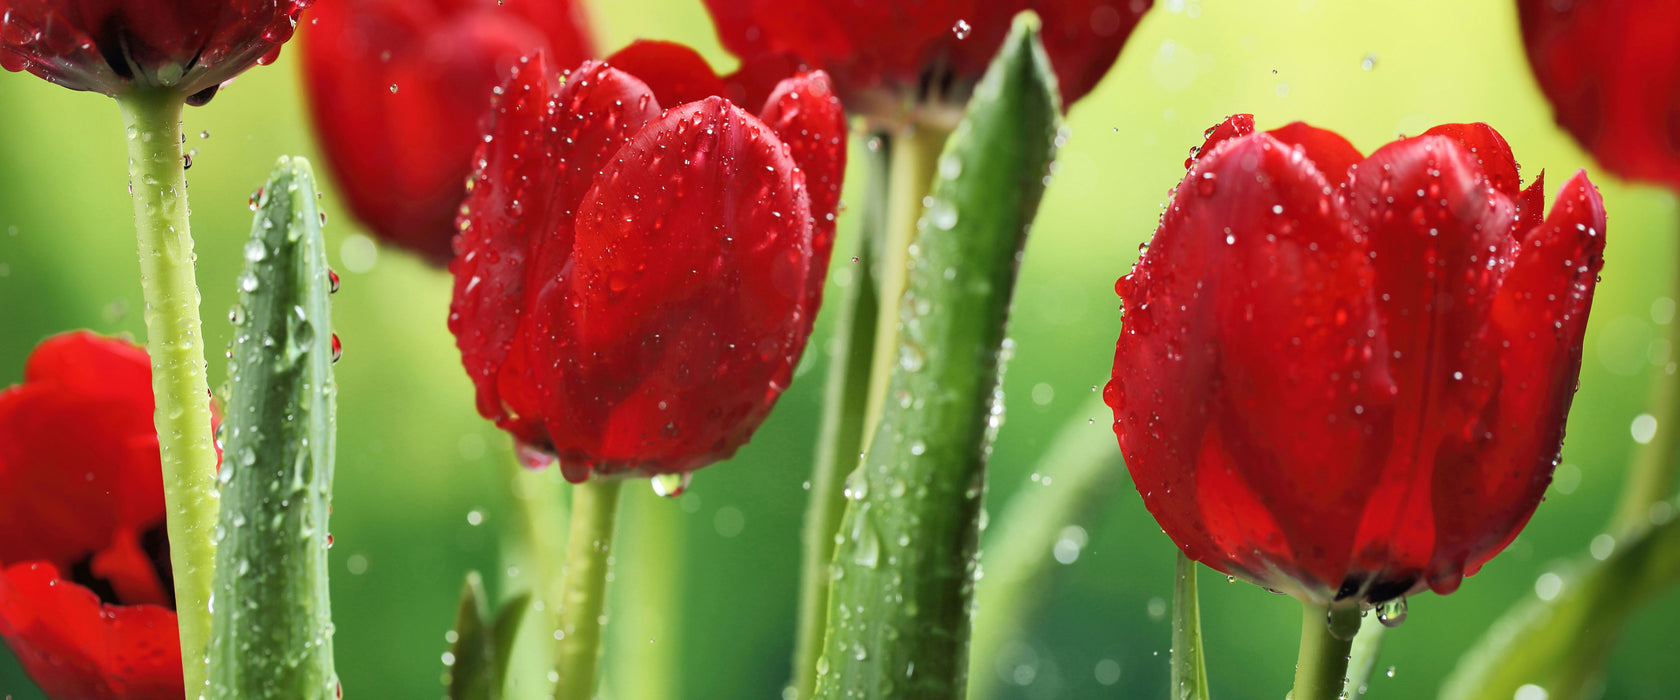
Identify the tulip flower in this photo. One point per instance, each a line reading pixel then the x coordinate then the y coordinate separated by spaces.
pixel 1611 69
pixel 639 263
pixel 888 57
pixel 187 47
pixel 1361 391
pixel 399 89
pixel 85 596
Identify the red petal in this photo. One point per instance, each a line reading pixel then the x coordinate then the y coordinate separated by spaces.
pixel 676 73
pixel 1327 150
pixel 75 647
pixel 398 90
pixel 804 112
pixel 1233 126
pixel 1539 317
pixel 547 144
pixel 1248 377
pixel 78 453
pixel 1084 37
pixel 1612 73
pixel 1439 235
pixel 684 312
pixel 1491 151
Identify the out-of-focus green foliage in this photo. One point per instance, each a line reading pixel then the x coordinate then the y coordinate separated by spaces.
pixel 421 494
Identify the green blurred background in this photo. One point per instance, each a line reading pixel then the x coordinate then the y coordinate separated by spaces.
pixel 422 493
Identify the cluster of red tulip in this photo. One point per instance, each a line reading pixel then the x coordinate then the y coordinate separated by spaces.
pixel 1343 377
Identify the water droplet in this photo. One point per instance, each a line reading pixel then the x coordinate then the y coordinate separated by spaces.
pixel 962 29
pixel 255 251
pixel 1392 613
pixel 671 485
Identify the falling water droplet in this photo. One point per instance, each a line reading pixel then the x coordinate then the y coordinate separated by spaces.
pixel 671 485
pixel 961 29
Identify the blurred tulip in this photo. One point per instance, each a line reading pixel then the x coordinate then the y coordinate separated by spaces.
pixel 190 47
pixel 398 91
pixel 1611 69
pixel 640 260
pixel 892 56
pixel 1346 377
pixel 86 600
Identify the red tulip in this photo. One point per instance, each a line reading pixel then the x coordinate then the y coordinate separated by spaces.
pixel 1611 69
pixel 1344 377
pixel 190 47
pixel 640 259
pixel 885 54
pixel 86 597
pixel 398 90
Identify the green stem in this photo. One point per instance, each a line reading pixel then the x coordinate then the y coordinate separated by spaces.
pixel 647 610
pixel 1080 471
pixel 1651 479
pixel 1326 641
pixel 584 593
pixel 1189 670
pixel 539 497
pixel 173 339
pixel 1363 658
pixel 841 435
pixel 914 162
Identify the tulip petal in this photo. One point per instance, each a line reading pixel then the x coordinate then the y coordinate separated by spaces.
pixel 1439 234
pixel 1247 394
pixel 75 647
pixel 806 115
pixel 1491 152
pixel 715 193
pixel 77 384
pixel 676 73
pixel 551 140
pixel 1540 316
pixel 1327 150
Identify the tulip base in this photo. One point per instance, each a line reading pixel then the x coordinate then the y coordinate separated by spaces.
pixel 583 595
pixel 1326 641
pixel 158 186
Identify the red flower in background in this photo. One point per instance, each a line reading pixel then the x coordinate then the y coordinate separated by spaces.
pixel 886 55
pixel 86 597
pixel 1346 377
pixel 1611 69
pixel 188 46
pixel 640 259
pixel 398 90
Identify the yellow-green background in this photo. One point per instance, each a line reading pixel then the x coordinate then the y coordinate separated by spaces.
pixel 414 459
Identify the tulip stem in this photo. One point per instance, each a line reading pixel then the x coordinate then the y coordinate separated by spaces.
pixel 1189 670
pixel 841 435
pixel 1651 478
pixel 914 162
pixel 1326 642
pixel 158 186
pixel 584 593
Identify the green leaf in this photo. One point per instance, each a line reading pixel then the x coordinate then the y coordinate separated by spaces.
pixel 483 644
pixel 898 622
pixel 1559 644
pixel 271 618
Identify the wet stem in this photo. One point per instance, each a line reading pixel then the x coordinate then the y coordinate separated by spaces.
pixel 1326 642
pixel 158 186
pixel 583 594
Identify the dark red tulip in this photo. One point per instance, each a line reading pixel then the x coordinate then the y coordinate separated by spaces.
pixel 190 47
pixel 86 597
pixel 887 56
pixel 1346 377
pixel 1611 69
pixel 640 259
pixel 398 91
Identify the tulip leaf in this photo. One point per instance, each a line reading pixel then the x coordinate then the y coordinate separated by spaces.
pixel 483 643
pixel 1559 644
pixel 272 633
pixel 898 621
pixel 1189 669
